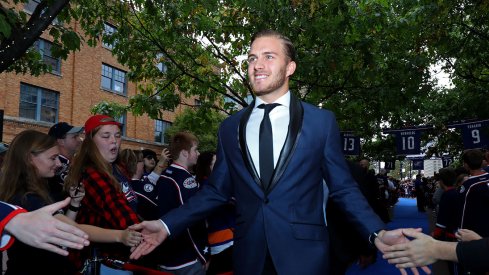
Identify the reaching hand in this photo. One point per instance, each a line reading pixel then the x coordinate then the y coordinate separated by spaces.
pixel 154 233
pixel 410 254
pixel 40 229
pixel 397 237
pixel 77 193
pixel 131 238
pixel 467 235
pixel 163 160
pixel 164 157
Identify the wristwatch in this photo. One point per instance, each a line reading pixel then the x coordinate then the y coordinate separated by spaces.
pixel 74 208
pixel 373 235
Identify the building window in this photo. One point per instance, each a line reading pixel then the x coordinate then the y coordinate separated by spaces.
pixel 108 31
pixel 113 79
pixel 123 121
pixel 160 128
pixel 160 63
pixel 38 104
pixel 197 103
pixel 44 48
pixel 31 6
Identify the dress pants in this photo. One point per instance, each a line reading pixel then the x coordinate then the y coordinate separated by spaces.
pixel 269 268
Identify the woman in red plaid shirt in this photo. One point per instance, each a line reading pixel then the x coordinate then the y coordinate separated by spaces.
pixel 109 200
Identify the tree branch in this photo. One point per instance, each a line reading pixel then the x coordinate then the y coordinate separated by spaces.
pixel 21 39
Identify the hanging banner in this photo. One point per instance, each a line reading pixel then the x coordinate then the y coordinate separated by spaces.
pixel 390 164
pixel 418 163
pixel 475 134
pixel 408 141
pixel 351 144
pixel 446 160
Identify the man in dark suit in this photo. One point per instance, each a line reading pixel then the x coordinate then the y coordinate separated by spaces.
pixel 280 225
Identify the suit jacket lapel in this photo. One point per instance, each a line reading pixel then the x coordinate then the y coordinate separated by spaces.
pixel 242 143
pixel 296 112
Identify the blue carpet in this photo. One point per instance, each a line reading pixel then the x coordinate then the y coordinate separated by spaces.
pixel 405 215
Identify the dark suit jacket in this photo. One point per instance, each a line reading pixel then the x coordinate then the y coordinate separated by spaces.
pixel 287 219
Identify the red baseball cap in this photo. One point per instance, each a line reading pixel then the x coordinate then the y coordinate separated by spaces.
pixel 99 120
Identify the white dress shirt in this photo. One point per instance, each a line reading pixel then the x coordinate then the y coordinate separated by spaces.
pixel 279 117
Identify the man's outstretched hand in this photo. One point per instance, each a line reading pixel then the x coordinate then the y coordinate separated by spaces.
pixel 386 239
pixel 154 233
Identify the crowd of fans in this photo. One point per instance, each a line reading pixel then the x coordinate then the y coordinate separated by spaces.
pixel 110 189
pixel 457 201
pixel 113 188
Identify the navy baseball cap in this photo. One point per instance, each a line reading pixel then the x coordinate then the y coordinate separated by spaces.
pixel 149 153
pixel 59 130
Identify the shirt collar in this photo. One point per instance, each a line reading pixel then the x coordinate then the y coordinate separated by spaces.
pixel 283 100
pixel 63 159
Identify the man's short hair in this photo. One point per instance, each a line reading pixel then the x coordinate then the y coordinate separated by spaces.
pixel 473 158
pixel 289 48
pixel 181 141
pixel 447 175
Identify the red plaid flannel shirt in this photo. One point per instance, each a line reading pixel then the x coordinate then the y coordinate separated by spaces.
pixel 105 207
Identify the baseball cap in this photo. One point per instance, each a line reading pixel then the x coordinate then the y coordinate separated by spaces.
pixel 60 129
pixel 99 120
pixel 3 147
pixel 149 152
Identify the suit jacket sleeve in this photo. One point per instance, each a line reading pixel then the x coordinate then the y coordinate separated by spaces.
pixel 344 190
pixel 7 212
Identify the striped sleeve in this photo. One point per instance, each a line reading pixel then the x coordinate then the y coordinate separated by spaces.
pixel 7 212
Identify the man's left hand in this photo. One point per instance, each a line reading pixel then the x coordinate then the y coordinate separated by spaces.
pixel 392 237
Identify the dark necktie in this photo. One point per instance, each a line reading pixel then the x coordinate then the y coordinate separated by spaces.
pixel 266 145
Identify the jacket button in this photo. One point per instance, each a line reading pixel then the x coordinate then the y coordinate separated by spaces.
pixel 265 201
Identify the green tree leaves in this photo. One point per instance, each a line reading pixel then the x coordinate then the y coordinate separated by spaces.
pixel 370 62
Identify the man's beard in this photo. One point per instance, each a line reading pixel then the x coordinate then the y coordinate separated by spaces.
pixel 279 82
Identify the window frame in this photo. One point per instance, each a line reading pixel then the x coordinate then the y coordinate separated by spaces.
pixel 40 46
pixel 197 103
pixel 112 88
pixel 41 102
pixel 123 121
pixel 164 125
pixel 33 4
pixel 108 32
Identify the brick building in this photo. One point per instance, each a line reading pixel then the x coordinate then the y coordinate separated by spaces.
pixel 84 79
